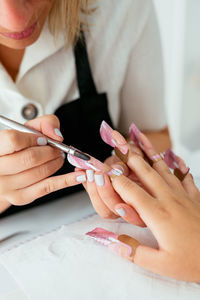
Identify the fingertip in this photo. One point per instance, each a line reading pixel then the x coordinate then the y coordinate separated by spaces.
pixel 52 132
pixel 49 125
pixel 121 167
pixel 129 214
pixel 90 175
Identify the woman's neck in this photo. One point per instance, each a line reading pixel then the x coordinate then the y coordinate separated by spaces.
pixel 11 60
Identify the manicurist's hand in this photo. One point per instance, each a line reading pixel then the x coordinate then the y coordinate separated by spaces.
pixel 26 162
pixel 171 209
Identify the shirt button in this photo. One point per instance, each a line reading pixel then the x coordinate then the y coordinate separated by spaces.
pixel 29 111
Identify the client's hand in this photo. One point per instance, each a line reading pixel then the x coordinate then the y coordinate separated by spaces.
pixel 171 209
pixel 98 185
pixel 26 162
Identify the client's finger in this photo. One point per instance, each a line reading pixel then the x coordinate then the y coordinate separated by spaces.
pixel 135 196
pixel 97 202
pixel 44 187
pixel 106 192
pixel 151 180
pixel 157 162
pixel 129 214
pixel 190 187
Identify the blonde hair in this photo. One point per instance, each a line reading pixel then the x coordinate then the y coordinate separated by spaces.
pixel 68 16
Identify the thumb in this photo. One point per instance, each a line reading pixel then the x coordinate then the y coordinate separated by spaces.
pixel 49 125
pixel 153 260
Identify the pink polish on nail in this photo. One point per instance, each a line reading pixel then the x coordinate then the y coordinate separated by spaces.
pixel 110 239
pixel 78 162
pixel 106 134
pixel 170 159
pixel 92 164
pixel 103 236
pixel 135 135
pixel 113 138
pixel 173 162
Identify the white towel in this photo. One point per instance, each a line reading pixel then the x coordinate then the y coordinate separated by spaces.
pixel 66 264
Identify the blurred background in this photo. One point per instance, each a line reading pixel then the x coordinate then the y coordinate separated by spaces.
pixel 179 22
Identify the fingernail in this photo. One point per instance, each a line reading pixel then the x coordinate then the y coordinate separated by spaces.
pixel 114 142
pixel 99 179
pixel 182 166
pixel 81 178
pixel 135 135
pixel 58 133
pixel 113 152
pixel 90 175
pixel 41 141
pixel 116 172
pixel 113 138
pixel 121 212
pixel 121 142
pixel 106 134
pixel 63 155
pixel 123 149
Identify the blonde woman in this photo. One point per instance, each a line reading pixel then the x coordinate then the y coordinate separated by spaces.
pixel 49 68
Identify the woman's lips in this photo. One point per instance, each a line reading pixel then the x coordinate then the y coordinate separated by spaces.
pixel 20 35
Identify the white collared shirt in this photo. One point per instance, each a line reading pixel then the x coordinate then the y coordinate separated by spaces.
pixel 125 56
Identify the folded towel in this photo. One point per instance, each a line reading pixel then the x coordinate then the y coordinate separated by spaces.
pixel 67 264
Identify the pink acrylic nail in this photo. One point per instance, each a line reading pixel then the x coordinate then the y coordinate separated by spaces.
pixel 135 135
pixel 92 164
pixel 103 236
pixel 107 238
pixel 173 162
pixel 113 138
pixel 106 134
pixel 170 159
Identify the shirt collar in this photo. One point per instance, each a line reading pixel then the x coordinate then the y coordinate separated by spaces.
pixel 45 46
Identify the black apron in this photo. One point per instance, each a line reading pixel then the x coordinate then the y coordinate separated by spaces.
pixel 80 122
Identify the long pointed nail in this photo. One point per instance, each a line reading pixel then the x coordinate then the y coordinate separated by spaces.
pixel 113 138
pixel 135 134
pixel 106 134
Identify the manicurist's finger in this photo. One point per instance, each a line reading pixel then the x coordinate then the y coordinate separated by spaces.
pixel 44 187
pixel 49 125
pixel 14 141
pixel 129 214
pixel 97 202
pixel 31 176
pixel 27 159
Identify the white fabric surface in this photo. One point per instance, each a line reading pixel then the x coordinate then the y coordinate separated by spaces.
pixel 125 56
pixel 66 264
pixel 9 289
